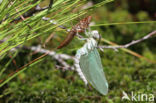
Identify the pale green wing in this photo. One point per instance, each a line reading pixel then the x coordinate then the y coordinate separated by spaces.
pixel 92 68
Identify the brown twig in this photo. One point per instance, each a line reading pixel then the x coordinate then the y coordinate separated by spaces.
pixel 13 61
pixel 131 43
pixel 59 57
pixel 48 39
pixel 53 22
pixel 35 10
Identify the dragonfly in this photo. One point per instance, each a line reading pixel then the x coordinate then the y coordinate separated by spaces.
pixel 88 64
pixel 78 28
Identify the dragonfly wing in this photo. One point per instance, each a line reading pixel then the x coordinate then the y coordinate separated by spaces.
pixel 93 70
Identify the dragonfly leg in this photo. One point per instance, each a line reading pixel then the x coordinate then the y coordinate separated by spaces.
pixel 87 33
pixel 80 37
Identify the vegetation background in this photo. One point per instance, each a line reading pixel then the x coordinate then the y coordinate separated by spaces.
pixel 41 82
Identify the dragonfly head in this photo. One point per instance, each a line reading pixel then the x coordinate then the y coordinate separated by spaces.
pixel 84 23
pixel 95 34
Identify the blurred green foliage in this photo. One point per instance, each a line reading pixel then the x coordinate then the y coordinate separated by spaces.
pixel 43 83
